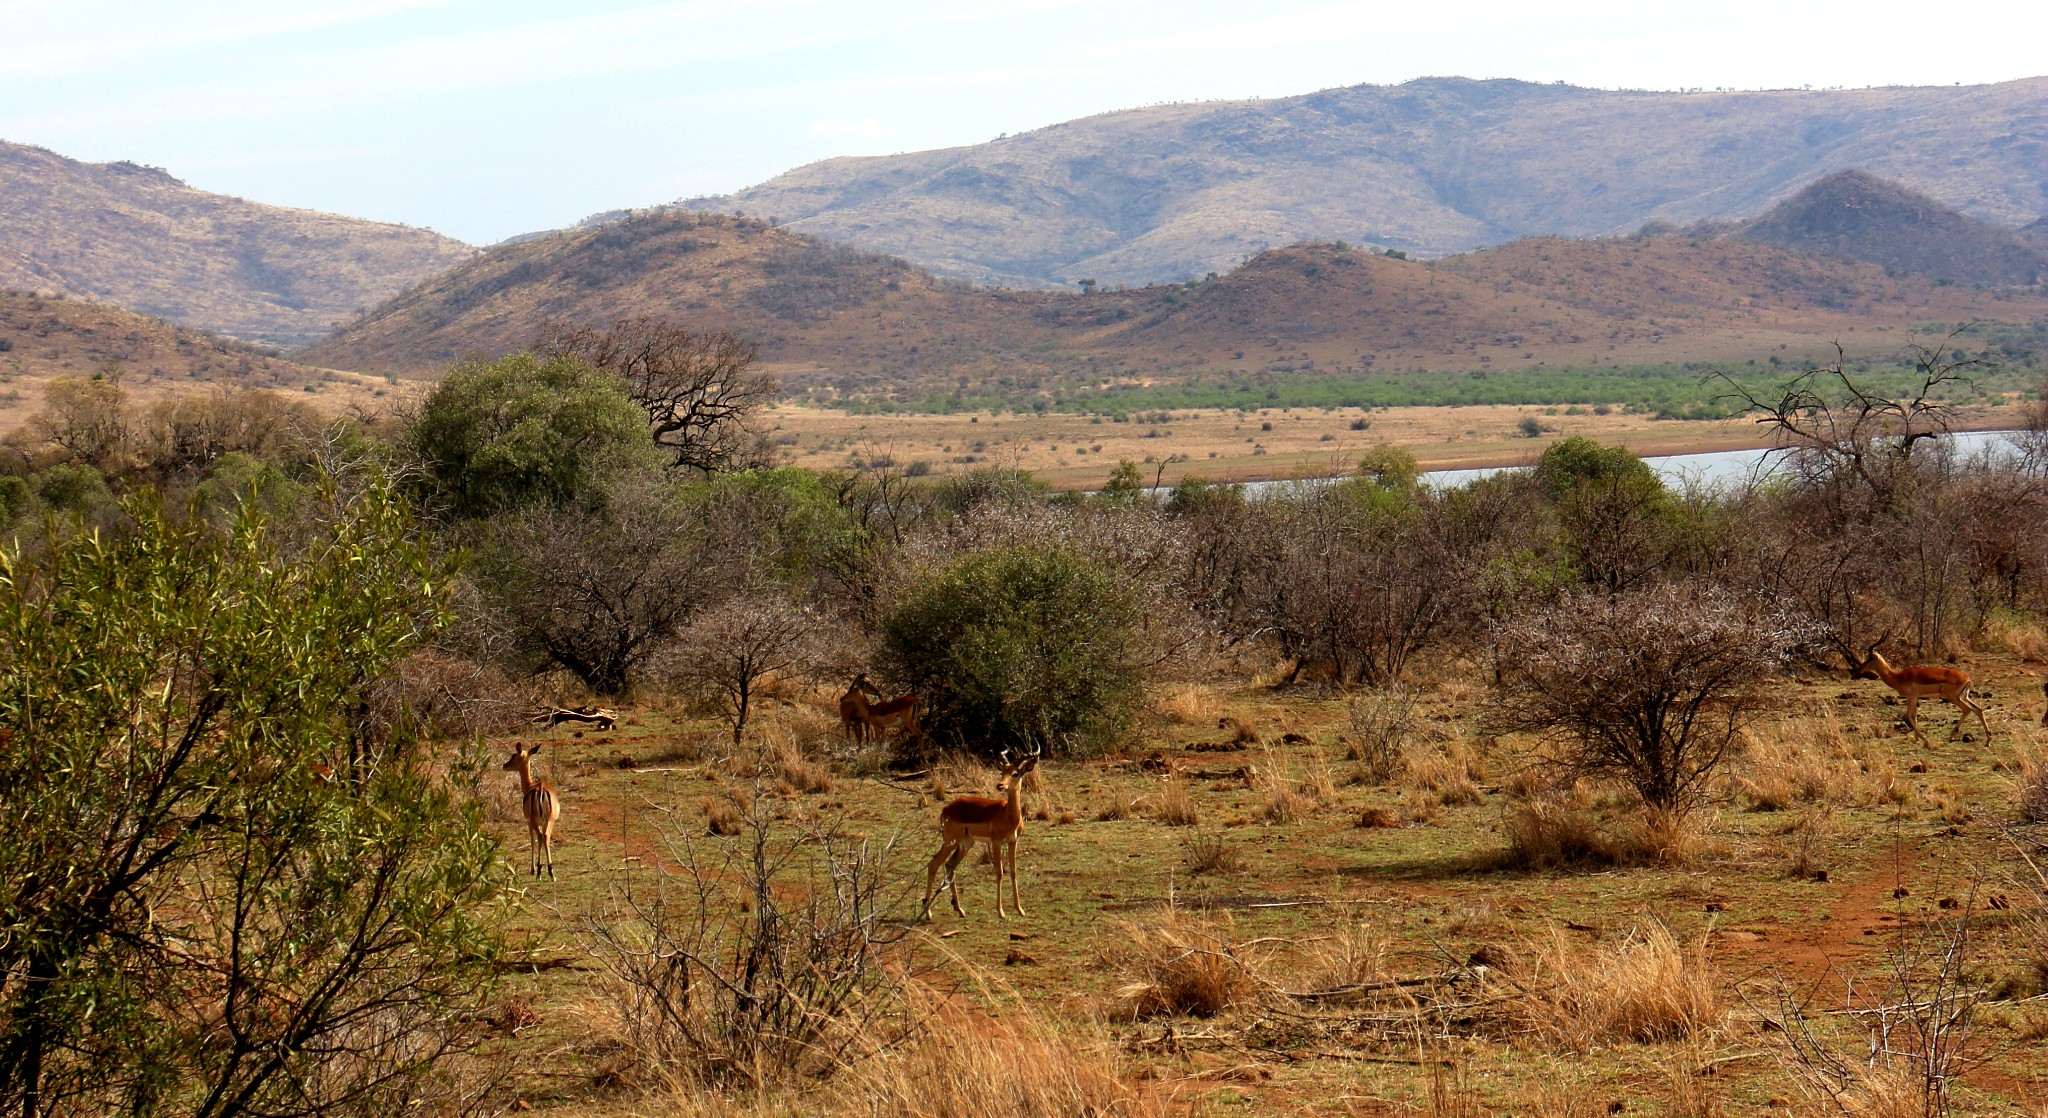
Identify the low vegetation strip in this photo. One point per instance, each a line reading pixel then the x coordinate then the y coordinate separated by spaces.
pixel 1685 391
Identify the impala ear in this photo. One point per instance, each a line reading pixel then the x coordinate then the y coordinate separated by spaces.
pixel 534 751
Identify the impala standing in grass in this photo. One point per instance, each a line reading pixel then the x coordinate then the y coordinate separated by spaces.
pixel 971 819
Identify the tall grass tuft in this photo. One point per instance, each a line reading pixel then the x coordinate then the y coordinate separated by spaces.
pixel 1647 989
pixel 1179 966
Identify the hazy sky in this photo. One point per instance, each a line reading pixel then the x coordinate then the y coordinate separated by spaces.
pixel 485 118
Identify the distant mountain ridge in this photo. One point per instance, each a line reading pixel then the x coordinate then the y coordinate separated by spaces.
pixel 1859 216
pixel 1433 166
pixel 839 323
pixel 138 237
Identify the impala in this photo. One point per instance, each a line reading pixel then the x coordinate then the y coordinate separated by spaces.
pixel 853 707
pixel 540 804
pixel 971 819
pixel 1916 683
pixel 883 713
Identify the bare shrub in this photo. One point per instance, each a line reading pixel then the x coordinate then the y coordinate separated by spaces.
pixel 758 965
pixel 733 647
pixel 440 696
pixel 1916 1027
pixel 1381 721
pixel 1649 687
pixel 1180 966
pixel 1175 807
pixel 1647 989
pixel 1210 852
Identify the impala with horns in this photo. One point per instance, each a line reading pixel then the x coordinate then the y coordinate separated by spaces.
pixel 996 821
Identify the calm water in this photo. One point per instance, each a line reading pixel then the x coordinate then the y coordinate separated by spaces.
pixel 1721 467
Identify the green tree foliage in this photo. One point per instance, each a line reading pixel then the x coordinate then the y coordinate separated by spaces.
pixel 1618 523
pixel 1125 483
pixel 522 431
pixel 1016 647
pixel 237 892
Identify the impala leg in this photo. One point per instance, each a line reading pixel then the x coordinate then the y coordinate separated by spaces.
pixel 931 878
pixel 952 873
pixel 1017 901
pixel 1913 721
pixel 1965 707
pixel 547 850
pixel 995 850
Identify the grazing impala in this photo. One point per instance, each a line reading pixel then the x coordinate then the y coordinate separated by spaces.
pixel 540 804
pixel 971 819
pixel 1916 683
pixel 882 713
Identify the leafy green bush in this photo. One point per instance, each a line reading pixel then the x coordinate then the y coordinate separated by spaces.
pixel 77 489
pixel 1018 647
pixel 516 432
pixel 239 891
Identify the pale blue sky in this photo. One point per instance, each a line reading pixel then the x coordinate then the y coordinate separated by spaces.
pixel 485 118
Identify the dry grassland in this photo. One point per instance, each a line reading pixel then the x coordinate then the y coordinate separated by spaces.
pixel 1078 451
pixel 1229 927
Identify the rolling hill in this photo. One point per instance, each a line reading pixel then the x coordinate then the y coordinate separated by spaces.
pixel 1862 217
pixel 44 337
pixel 842 324
pixel 140 238
pixel 1433 166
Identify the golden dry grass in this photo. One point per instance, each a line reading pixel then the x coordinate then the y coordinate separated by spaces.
pixel 1179 965
pixel 1175 807
pixel 1645 989
pixel 1189 704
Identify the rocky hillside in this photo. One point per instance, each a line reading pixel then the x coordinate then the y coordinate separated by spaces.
pixel 1862 217
pixel 841 323
pixel 140 238
pixel 1433 166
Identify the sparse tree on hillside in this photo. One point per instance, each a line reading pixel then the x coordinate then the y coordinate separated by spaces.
pixel 698 390
pixel 87 419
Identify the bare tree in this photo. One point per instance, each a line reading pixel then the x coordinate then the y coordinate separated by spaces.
pixel 87 419
pixel 737 644
pixel 1649 686
pixel 698 389
pixel 598 591
pixel 1838 430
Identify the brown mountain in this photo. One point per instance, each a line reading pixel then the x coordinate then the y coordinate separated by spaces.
pixel 838 322
pixel 1433 166
pixel 138 237
pixel 1862 217
pixel 44 337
